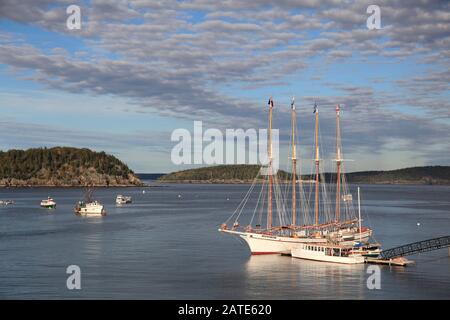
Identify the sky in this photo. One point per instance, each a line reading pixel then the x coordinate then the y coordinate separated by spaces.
pixel 138 69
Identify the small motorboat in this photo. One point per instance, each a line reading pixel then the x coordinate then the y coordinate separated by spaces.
pixel 6 202
pixel 372 250
pixel 48 203
pixel 90 209
pixel 120 199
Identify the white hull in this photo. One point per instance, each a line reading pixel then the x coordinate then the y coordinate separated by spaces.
pixel 302 252
pixel 91 210
pixel 90 213
pixel 269 244
pixel 48 204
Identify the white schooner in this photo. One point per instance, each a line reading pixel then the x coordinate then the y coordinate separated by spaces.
pixel 299 220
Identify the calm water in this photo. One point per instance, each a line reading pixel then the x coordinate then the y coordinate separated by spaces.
pixel 165 246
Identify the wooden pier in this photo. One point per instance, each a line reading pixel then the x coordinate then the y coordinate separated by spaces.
pixel 392 262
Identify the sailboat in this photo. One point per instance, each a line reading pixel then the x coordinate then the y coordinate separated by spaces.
pixel 288 233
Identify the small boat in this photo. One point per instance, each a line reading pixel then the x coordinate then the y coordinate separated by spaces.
pixel 123 199
pixel 6 202
pixel 89 207
pixel 48 203
pixel 372 250
pixel 326 253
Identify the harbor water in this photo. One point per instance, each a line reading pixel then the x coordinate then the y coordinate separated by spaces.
pixel 165 245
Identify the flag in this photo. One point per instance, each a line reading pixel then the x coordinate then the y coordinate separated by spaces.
pixel 293 104
pixel 270 103
pixel 338 109
pixel 315 108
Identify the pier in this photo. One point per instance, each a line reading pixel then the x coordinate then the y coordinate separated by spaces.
pixel 395 256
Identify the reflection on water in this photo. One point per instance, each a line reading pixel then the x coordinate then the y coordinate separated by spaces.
pixel 92 242
pixel 304 278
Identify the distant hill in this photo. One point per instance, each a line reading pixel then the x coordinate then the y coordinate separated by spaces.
pixel 414 175
pixel 246 173
pixel 149 176
pixel 217 174
pixel 63 166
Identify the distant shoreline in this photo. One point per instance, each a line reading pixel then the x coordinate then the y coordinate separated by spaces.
pixel 306 183
pixel 75 186
pixel 159 184
pixel 238 174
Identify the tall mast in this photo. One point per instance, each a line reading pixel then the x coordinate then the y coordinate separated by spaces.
pixel 294 162
pixel 338 164
pixel 359 215
pixel 269 204
pixel 317 160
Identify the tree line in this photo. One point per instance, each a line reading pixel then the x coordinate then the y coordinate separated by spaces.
pixel 26 164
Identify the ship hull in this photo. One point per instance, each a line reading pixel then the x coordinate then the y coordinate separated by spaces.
pixel 48 205
pixel 90 214
pixel 259 243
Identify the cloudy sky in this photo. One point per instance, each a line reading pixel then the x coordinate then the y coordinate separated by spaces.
pixel 138 69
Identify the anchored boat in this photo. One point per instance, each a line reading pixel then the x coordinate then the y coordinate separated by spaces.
pixel 6 202
pixel 48 203
pixel 290 225
pixel 89 207
pixel 123 200
pixel 327 253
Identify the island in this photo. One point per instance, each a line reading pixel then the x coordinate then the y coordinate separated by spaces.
pixel 63 167
pixel 431 175
pixel 240 173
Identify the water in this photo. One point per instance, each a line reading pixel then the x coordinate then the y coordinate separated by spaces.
pixel 167 247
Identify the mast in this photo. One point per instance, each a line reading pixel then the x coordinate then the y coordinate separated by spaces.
pixel 294 163
pixel 359 215
pixel 317 160
pixel 269 204
pixel 338 165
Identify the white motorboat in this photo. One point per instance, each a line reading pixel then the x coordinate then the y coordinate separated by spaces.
pixel 120 199
pixel 6 202
pixel 326 253
pixel 48 203
pixel 90 209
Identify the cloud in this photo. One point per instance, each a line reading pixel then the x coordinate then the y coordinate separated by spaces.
pixel 209 60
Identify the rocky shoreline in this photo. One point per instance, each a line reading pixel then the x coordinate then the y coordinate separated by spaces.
pixel 94 180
